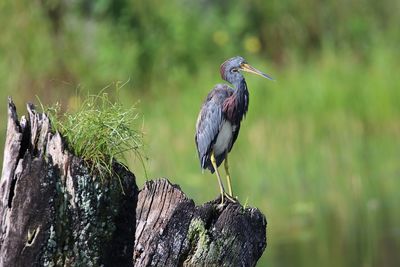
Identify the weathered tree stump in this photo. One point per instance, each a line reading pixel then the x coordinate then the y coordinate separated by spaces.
pixel 55 212
pixel 172 231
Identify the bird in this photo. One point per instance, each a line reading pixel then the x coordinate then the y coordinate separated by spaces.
pixel 218 122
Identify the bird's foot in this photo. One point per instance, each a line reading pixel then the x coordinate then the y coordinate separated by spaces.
pixel 225 199
pixel 222 204
pixel 230 198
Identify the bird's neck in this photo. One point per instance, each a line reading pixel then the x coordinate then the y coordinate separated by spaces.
pixel 242 98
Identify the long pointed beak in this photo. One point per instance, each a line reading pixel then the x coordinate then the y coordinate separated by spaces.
pixel 246 67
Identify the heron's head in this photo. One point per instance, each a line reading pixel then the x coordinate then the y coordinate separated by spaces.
pixel 231 70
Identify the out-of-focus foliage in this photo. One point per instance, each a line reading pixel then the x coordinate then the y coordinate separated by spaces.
pixel 99 41
pixel 319 150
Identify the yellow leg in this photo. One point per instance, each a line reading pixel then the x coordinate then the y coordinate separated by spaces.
pixel 228 175
pixel 221 186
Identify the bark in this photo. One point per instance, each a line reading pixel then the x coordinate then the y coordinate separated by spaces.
pixel 54 211
pixel 172 231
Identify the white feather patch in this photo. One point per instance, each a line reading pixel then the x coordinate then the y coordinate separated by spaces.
pixel 224 138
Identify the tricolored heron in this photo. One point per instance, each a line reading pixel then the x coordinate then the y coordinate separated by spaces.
pixel 219 119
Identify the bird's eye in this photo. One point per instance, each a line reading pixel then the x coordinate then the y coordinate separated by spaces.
pixel 234 70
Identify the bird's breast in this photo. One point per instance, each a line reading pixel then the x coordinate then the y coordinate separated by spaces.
pixel 224 138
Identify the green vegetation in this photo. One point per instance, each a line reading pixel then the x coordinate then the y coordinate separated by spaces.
pixel 319 150
pixel 198 238
pixel 99 131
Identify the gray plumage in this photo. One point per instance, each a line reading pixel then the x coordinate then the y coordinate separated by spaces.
pixel 220 116
pixel 209 123
pixel 218 123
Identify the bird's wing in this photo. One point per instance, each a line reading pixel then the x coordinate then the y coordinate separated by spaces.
pixel 209 122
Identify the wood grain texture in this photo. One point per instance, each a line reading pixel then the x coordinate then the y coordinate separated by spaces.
pixel 172 231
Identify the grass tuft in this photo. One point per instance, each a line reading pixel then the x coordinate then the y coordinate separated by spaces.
pixel 100 131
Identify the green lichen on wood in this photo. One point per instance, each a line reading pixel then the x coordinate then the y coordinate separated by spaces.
pixel 203 250
pixel 198 237
pixel 84 221
pixel 207 246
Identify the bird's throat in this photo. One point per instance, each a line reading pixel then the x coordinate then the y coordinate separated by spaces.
pixel 241 96
pixel 235 106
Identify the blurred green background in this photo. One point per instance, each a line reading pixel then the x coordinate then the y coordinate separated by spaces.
pixel 319 151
